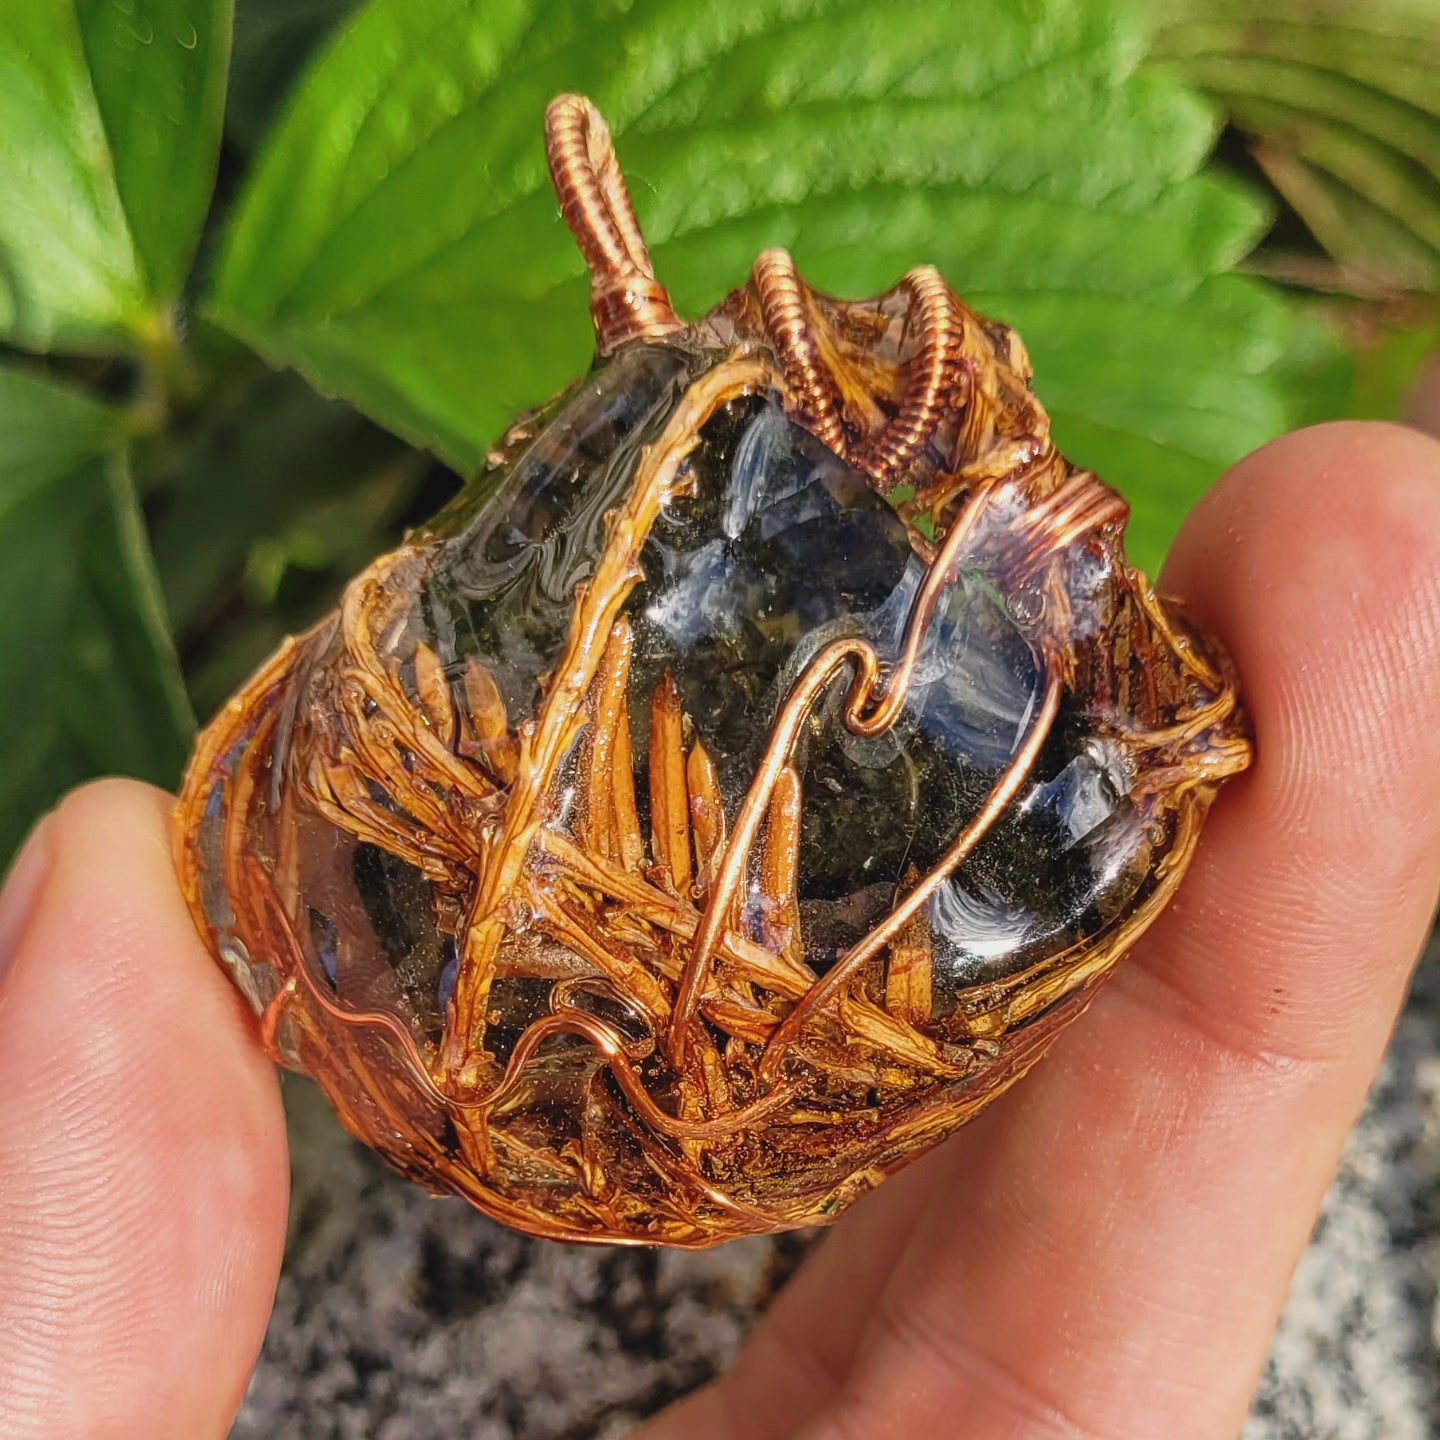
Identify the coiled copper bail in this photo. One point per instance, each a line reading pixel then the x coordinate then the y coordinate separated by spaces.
pixel 627 302
pixel 782 303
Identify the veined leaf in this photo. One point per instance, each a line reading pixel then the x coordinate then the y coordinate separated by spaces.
pixel 84 649
pixel 110 114
pixel 159 68
pixel 399 244
pixel 1342 102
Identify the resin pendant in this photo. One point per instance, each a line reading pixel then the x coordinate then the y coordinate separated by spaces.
pixel 735 789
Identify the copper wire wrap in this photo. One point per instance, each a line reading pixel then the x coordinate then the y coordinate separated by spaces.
pixel 833 983
pixel 627 302
pixel 933 384
pixel 1082 504
pixel 702 1064
pixel 782 303
pixel 936 380
pixel 872 707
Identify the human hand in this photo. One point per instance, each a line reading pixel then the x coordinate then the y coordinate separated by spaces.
pixel 1103 1253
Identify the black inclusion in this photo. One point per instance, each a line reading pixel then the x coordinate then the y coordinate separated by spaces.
pixel 738 574
pixel 399 902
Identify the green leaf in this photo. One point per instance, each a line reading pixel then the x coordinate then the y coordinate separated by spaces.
pixel 158 68
pixel 84 650
pixel 1342 104
pixel 110 114
pixel 399 244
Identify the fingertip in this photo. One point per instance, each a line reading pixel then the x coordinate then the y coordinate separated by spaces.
pixel 1308 517
pixel 117 882
pixel 143 1174
pixel 1316 561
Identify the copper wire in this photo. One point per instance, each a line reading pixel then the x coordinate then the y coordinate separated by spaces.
pixel 839 975
pixel 627 302
pixel 566 1019
pixel 611 1044
pixel 837 656
pixel 1082 504
pixel 270 1020
pixel 840 655
pixel 1179 643
pixel 933 384
pixel 782 305
pixel 547 739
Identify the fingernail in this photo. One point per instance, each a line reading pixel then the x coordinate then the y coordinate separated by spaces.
pixel 21 890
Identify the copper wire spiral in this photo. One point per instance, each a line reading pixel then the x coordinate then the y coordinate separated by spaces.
pixel 936 379
pixel 782 304
pixel 933 385
pixel 627 302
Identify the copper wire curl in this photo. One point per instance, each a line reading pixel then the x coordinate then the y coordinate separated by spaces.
pixel 564 1019
pixel 782 304
pixel 933 384
pixel 866 690
pixel 936 380
pixel 1081 505
pixel 627 302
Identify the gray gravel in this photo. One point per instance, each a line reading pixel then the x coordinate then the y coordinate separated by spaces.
pixel 405 1318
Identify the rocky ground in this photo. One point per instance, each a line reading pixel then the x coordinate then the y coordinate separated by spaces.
pixel 405 1318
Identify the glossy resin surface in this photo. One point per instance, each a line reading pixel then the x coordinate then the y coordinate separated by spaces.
pixel 723 799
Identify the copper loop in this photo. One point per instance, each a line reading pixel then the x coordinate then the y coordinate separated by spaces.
pixel 611 1045
pixel 840 974
pixel 932 385
pixel 270 1020
pixel 627 302
pixel 782 304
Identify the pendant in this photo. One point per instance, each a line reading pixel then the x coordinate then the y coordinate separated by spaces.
pixel 734 789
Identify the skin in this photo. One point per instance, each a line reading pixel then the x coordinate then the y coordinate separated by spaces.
pixel 1103 1253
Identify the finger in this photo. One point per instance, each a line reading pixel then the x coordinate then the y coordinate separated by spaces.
pixel 142 1166
pixel 1105 1252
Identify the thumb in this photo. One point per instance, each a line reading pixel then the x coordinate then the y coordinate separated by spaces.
pixel 142 1163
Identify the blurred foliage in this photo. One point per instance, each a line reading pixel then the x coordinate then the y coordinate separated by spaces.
pixel 1340 103
pixel 195 453
pixel 86 649
pixel 1336 105
pixel 110 112
pixel 273 40
pixel 1387 360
